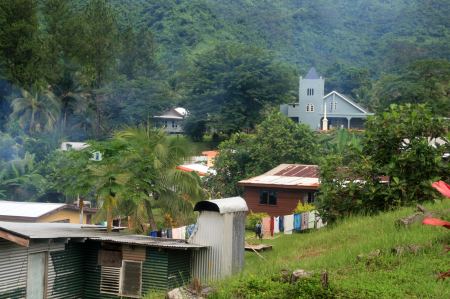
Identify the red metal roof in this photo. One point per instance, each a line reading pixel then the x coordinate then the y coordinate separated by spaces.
pixel 299 170
pixel 292 176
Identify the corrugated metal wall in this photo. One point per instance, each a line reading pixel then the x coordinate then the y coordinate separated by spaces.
pixel 238 247
pixel 224 234
pixel 13 270
pixel 179 268
pixel 74 273
pixel 207 264
pixel 92 272
pixel 65 273
pixel 155 270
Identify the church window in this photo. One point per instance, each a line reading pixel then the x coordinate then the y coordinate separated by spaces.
pixel 310 91
pixel 333 106
pixel 310 108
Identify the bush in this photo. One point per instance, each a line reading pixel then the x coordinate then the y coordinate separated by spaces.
pixel 303 208
pixel 274 287
pixel 253 218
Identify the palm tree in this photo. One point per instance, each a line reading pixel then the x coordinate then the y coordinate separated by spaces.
pixel 151 157
pixel 36 110
pixel 19 179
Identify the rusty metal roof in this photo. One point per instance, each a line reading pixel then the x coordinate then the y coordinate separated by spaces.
pixel 295 176
pixel 92 232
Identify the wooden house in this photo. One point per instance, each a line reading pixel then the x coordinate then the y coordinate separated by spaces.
pixel 278 191
pixel 171 121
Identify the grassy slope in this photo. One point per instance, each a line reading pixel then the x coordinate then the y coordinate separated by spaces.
pixel 335 249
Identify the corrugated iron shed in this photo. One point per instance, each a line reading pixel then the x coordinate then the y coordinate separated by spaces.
pixel 28 231
pixel 293 176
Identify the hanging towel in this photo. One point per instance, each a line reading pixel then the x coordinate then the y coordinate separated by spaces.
pixel 281 224
pixel 276 225
pixel 266 226
pixel 312 220
pixel 154 234
pixel 305 218
pixel 169 233
pixel 183 232
pixel 297 222
pixel 176 233
pixel 288 224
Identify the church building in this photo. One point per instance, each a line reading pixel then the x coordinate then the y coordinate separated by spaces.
pixel 324 112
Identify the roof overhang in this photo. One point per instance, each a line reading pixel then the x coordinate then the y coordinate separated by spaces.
pixel 277 186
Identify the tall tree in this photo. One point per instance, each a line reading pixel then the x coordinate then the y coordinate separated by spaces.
pixel 277 140
pixel 19 44
pixel 422 82
pixel 230 84
pixel 151 157
pixel 35 111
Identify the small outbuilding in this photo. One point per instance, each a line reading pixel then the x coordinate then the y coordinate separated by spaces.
pixel 60 260
pixel 220 226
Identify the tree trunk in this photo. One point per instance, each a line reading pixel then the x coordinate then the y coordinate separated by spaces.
pixel 109 218
pixel 151 218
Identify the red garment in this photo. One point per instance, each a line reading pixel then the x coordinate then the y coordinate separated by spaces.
pixel 272 225
pixel 436 222
pixel 442 187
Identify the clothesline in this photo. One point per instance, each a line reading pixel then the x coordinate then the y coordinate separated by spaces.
pixel 183 232
pixel 288 223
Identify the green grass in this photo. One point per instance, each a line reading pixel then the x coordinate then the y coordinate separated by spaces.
pixel 335 249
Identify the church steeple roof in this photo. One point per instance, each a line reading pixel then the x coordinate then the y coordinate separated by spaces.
pixel 312 74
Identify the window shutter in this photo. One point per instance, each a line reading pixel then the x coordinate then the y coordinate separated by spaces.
pixel 110 280
pixel 131 279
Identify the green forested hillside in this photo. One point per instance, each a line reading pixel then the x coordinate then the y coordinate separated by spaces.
pixel 378 35
pixel 74 70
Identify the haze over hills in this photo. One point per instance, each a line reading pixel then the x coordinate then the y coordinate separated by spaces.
pixel 379 35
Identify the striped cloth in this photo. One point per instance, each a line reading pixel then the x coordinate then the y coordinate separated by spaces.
pixel 305 219
pixel 312 219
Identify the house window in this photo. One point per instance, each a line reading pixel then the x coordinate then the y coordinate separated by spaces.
pixel 268 198
pixel 311 197
pixel 174 124
pixel 131 280
pixel 310 108
pixel 165 124
pixel 310 91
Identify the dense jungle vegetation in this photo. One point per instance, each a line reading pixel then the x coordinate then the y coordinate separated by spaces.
pixel 92 70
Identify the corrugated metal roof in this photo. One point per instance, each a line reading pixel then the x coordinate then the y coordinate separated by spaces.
pixel 287 175
pixel 223 205
pixel 27 209
pixel 92 232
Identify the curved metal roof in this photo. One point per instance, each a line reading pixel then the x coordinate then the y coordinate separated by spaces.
pixel 223 205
